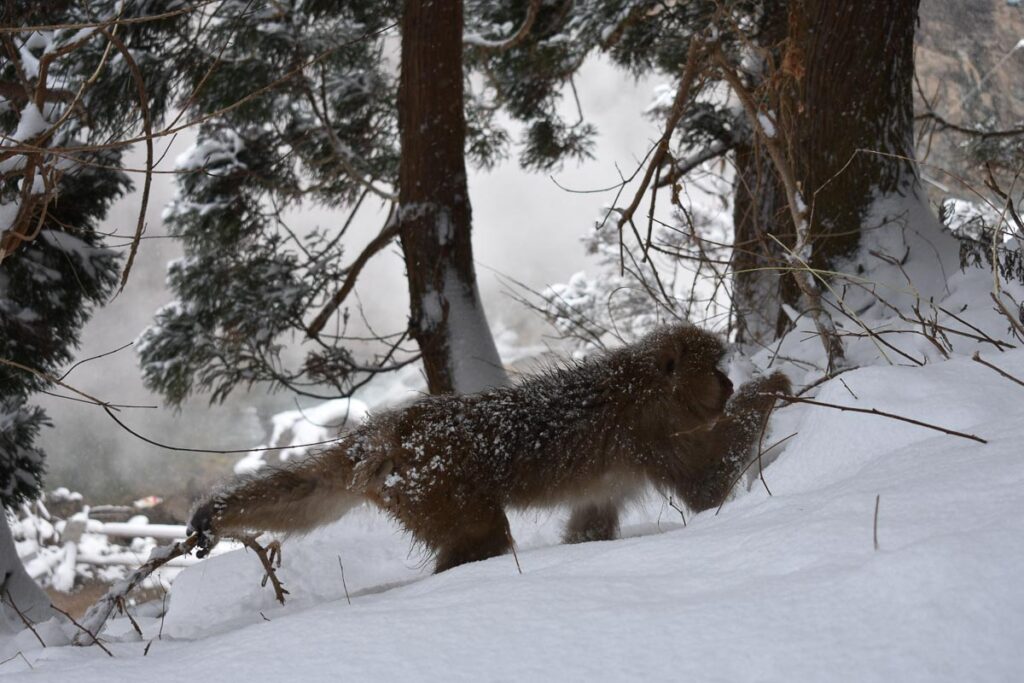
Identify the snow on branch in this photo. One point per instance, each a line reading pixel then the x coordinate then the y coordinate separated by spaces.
pixel 478 41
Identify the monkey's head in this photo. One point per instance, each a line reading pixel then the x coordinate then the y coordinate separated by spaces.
pixel 688 364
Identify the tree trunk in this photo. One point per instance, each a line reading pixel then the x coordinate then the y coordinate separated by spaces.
pixel 17 587
pixel 846 102
pixel 759 210
pixel 842 95
pixel 446 317
pixel 761 288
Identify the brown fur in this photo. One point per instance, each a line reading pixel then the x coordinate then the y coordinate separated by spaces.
pixel 447 467
pixel 716 459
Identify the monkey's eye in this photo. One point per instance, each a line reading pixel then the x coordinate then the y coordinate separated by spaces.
pixel 669 366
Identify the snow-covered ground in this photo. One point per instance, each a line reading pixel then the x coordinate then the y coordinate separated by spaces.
pixel 781 585
pixel 786 586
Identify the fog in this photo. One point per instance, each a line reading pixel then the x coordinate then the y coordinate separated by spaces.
pixel 525 227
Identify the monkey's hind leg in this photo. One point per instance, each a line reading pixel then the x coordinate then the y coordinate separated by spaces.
pixel 482 532
pixel 593 522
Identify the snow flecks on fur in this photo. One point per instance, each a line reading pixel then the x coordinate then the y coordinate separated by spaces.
pixel 563 422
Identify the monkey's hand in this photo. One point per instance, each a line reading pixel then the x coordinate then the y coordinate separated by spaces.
pixel 775 383
pixel 758 396
pixel 202 524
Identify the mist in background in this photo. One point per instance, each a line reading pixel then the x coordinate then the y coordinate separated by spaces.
pixel 524 227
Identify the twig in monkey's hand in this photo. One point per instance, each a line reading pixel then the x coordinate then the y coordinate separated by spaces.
pixel 268 560
pixel 882 413
pixel 98 614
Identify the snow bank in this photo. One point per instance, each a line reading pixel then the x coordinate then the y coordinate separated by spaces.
pixel 780 587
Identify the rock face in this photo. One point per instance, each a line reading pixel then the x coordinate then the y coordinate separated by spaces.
pixel 969 68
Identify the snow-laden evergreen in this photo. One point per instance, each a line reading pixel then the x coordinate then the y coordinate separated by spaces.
pixel 55 268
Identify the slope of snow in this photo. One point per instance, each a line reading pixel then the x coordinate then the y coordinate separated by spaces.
pixel 777 587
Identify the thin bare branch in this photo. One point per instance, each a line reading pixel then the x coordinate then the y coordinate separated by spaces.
pixel 978 359
pixel 100 612
pixel 882 413
pixel 390 231
pixel 878 500
pixel 21 615
pixel 95 640
pixel 147 129
pixel 268 566
pixel 690 72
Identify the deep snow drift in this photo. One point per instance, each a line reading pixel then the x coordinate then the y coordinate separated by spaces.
pixel 783 586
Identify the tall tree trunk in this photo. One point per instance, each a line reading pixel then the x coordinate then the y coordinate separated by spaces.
pixel 847 102
pixel 447 319
pixel 842 94
pixel 759 210
pixel 760 288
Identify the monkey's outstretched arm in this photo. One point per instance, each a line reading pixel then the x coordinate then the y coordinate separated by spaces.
pixel 728 446
pixel 295 498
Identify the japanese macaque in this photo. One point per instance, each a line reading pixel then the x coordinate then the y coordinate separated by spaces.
pixel 593 435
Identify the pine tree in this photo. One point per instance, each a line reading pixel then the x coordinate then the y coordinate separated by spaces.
pixel 59 174
pixel 300 103
pixel 59 177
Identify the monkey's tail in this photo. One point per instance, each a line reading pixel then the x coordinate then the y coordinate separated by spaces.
pixel 295 498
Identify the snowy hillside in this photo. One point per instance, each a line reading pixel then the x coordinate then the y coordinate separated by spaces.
pixel 775 587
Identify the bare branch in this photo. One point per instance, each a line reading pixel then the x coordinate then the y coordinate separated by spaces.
pixel 81 628
pixel 944 124
pixel 881 413
pixel 978 359
pixel 690 73
pixel 147 128
pixel 383 239
pixel 21 615
pixel 878 499
pixel 98 614
pixel 268 564
pixel 684 166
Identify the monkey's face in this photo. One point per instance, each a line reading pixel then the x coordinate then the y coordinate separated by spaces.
pixel 690 363
pixel 702 397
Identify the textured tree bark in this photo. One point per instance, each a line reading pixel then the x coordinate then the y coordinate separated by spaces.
pixel 446 316
pixel 847 77
pixel 842 83
pixel 759 210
